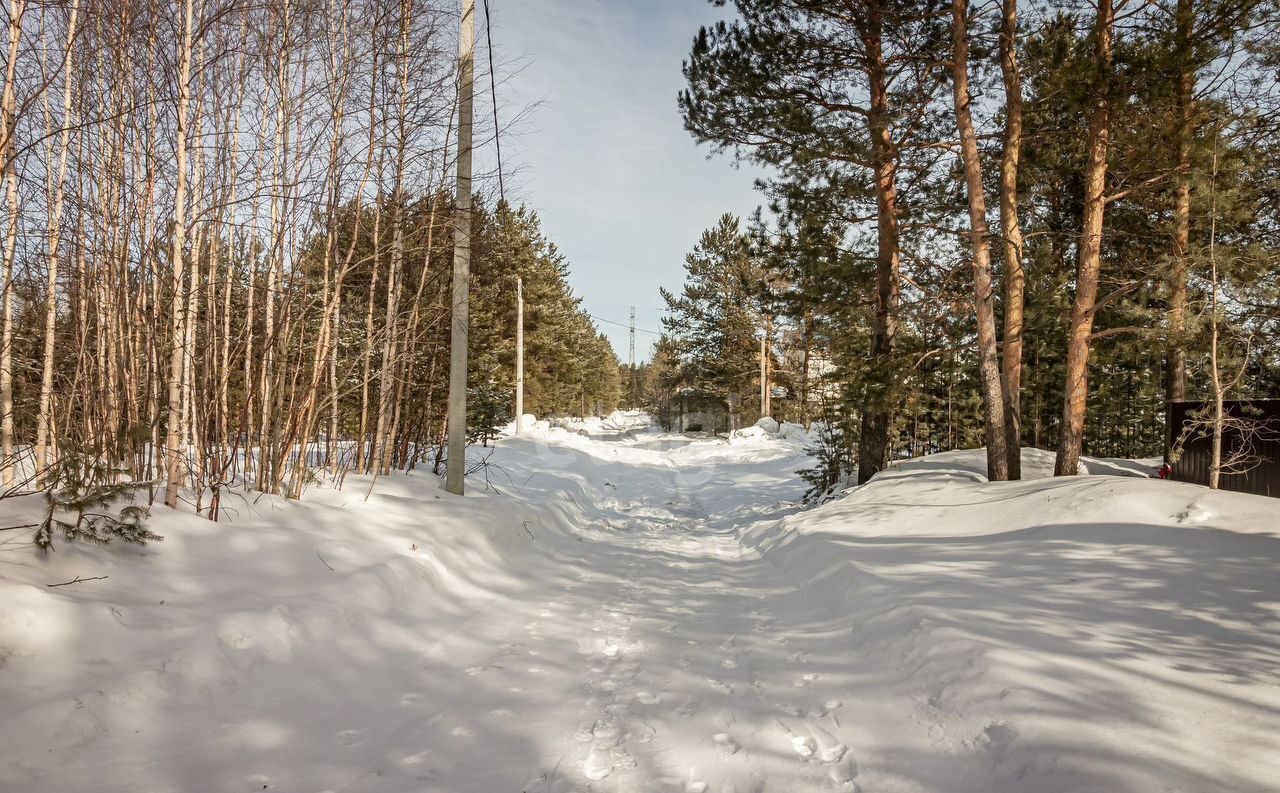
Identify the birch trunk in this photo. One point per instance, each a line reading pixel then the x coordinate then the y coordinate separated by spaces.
pixel 177 362
pixel 8 144
pixel 385 406
pixel 44 421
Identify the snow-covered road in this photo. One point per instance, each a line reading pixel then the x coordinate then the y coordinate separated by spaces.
pixel 658 654
pixel 648 613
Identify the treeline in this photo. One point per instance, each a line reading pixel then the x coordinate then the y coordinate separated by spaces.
pixel 993 230
pixel 228 234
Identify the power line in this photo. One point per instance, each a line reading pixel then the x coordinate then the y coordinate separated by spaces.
pixel 493 95
pixel 625 325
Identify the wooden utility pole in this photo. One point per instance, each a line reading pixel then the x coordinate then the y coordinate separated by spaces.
pixel 519 355
pixel 457 426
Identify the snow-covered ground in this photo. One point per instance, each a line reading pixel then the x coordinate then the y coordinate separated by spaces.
pixel 626 610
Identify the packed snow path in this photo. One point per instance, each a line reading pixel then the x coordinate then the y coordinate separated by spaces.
pixel 636 612
pixel 658 654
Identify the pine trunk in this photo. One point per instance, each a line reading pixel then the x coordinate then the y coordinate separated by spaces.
pixel 1011 232
pixel 983 289
pixel 873 446
pixel 1184 131
pixel 1089 262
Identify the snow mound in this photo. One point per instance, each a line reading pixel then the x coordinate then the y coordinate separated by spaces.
pixel 795 432
pixel 769 428
pixel 1053 625
pixel 1036 464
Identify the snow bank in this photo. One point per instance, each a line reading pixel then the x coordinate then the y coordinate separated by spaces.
pixel 219 658
pixel 637 610
pixel 1088 633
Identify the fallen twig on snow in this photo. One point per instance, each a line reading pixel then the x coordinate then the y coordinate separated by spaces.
pixel 78 579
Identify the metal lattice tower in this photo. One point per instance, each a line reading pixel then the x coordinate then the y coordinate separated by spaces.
pixel 631 358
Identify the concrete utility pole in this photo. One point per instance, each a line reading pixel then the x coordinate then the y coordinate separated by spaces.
pixel 455 478
pixel 766 409
pixel 519 355
pixel 764 376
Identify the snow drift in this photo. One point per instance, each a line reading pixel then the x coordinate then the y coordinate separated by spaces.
pixel 1091 633
pixel 618 609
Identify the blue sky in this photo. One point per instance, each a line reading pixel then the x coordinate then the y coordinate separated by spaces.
pixel 600 150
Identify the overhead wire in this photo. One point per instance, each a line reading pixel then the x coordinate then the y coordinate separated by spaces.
pixel 493 96
pixel 497 139
pixel 625 325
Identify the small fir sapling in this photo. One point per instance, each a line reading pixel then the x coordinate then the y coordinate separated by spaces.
pixel 90 500
pixel 833 455
pixel 488 409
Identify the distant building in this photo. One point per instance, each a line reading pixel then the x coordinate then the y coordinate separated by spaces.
pixel 698 411
pixel 1251 442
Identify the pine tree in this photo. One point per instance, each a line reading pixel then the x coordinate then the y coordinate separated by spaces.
pixel 840 96
pixel 714 320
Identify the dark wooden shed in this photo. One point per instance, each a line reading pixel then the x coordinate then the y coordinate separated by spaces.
pixel 1262 478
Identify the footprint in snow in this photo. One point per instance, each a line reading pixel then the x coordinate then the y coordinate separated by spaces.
pixel 811 742
pixel 604 758
pixel 725 743
pixel 996 738
pixel 842 774
pixel 597 766
pixel 688 707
